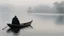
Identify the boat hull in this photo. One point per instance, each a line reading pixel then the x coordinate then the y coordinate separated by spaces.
pixel 19 26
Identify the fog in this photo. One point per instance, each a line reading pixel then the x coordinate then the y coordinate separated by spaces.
pixel 47 16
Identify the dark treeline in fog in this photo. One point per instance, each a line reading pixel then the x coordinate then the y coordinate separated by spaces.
pixel 40 9
pixel 58 7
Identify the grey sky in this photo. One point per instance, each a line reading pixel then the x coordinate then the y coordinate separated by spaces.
pixel 28 2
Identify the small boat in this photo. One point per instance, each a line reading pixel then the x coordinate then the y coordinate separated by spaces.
pixel 16 24
pixel 21 25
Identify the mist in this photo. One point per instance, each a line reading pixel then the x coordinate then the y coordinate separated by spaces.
pixel 47 16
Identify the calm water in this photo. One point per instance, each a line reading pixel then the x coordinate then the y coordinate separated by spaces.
pixel 42 25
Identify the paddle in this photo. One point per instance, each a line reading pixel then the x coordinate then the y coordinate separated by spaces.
pixel 4 27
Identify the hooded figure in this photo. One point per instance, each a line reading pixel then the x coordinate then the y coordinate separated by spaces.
pixel 15 21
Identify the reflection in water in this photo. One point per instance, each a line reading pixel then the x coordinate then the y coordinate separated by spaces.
pixel 60 20
pixel 13 30
pixel 57 19
pixel 16 31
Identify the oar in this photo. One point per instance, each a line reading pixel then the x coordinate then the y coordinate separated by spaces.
pixel 4 27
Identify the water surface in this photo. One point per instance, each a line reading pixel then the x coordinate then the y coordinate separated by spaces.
pixel 43 25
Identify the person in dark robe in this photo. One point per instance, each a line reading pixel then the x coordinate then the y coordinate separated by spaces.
pixel 15 21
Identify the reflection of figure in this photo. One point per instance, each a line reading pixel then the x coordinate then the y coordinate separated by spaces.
pixel 15 31
pixel 15 21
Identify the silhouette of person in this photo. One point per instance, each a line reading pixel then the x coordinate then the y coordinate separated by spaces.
pixel 15 21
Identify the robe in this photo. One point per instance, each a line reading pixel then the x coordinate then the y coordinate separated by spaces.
pixel 15 21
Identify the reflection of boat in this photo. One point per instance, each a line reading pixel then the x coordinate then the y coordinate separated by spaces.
pixel 20 26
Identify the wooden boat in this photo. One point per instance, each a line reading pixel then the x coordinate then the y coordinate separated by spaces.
pixel 21 25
